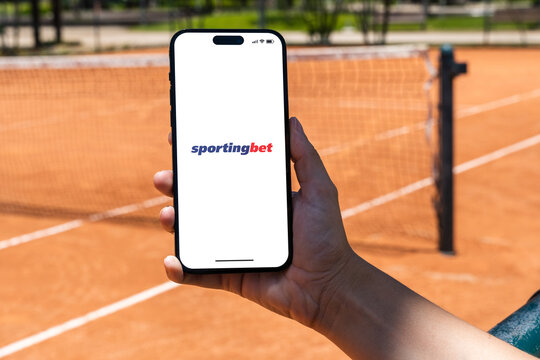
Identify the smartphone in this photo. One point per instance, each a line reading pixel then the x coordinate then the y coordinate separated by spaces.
pixel 231 158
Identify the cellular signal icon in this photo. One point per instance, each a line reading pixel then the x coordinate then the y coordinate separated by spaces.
pixel 255 41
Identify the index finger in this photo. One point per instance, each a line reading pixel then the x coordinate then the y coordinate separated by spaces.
pixel 163 181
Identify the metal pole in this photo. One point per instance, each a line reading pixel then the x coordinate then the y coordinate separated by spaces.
pixel 36 23
pixel 425 11
pixel 16 25
pixel 97 13
pixel 487 20
pixel 445 209
pixel 3 20
pixel 143 12
pixel 262 16
pixel 57 19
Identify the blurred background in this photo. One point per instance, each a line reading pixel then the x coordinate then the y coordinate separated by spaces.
pixel 84 25
pixel 435 150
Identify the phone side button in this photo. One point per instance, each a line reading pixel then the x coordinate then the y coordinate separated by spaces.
pixel 171 118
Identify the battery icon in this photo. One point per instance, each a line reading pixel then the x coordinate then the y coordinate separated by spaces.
pixel 269 41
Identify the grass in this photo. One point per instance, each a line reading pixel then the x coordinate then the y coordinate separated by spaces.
pixel 275 19
pixel 469 23
pixel 283 21
pixel 241 20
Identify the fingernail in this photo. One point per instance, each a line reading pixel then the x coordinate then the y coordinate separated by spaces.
pixel 169 260
pixel 295 121
pixel 296 124
pixel 158 174
pixel 300 128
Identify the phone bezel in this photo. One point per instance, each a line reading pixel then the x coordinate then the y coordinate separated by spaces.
pixel 287 152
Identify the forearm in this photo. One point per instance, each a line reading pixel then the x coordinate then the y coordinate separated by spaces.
pixel 369 315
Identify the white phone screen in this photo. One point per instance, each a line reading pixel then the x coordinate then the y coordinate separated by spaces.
pixel 231 158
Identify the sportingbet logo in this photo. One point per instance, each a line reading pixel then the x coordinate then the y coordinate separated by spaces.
pixel 231 148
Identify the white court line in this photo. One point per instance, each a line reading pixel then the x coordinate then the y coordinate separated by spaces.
pixel 385 135
pixel 497 154
pixel 468 165
pixel 365 206
pixel 147 294
pixel 21 239
pixel 324 152
pixel 85 319
pixel 470 111
pixel 496 104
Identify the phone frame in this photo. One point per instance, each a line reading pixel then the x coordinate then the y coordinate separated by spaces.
pixel 287 151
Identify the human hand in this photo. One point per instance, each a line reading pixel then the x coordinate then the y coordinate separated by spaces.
pixel 365 312
pixel 320 247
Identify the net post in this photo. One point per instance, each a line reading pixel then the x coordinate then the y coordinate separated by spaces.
pixel 448 69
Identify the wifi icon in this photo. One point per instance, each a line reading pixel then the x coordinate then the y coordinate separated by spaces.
pixel 261 41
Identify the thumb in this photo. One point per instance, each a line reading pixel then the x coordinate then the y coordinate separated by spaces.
pixel 174 271
pixel 310 170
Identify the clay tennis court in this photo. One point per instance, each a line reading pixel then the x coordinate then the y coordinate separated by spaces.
pixel 60 275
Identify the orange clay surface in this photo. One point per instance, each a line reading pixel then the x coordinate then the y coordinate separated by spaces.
pixel 54 279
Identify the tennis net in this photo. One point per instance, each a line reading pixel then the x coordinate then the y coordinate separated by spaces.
pixel 83 135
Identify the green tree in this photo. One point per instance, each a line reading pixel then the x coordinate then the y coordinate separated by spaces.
pixel 321 18
pixel 372 18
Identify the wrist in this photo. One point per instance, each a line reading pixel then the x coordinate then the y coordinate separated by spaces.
pixel 353 310
pixel 339 293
